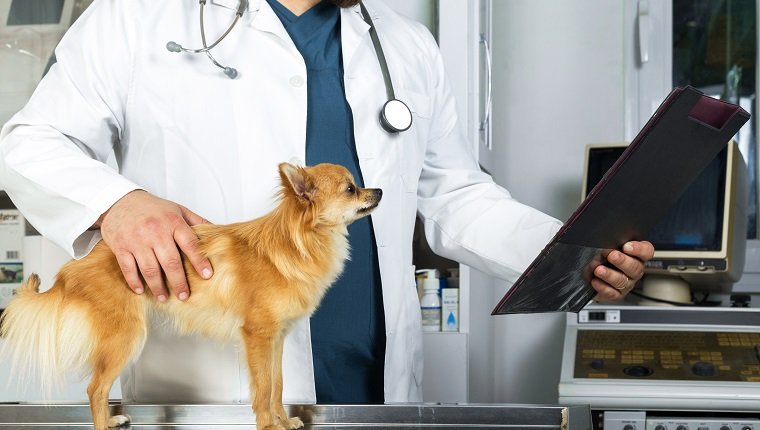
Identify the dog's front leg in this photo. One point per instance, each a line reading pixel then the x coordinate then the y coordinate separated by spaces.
pixel 277 408
pixel 259 345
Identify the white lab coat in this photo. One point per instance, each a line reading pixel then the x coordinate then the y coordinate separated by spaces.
pixel 178 128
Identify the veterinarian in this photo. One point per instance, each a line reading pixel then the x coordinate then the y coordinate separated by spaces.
pixel 128 142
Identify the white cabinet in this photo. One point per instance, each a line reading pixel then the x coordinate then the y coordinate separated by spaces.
pixel 459 366
pixel 445 370
pixel 464 35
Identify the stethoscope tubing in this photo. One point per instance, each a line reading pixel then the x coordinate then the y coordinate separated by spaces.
pixel 395 115
pixel 379 53
pixel 207 48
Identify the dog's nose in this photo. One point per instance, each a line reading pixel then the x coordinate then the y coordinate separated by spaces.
pixel 378 193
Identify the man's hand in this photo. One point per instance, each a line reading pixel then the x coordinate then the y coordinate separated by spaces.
pixel 144 232
pixel 614 283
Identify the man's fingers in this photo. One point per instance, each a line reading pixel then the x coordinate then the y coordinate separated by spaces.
pixel 611 284
pixel 627 266
pixel 171 263
pixel 612 277
pixel 643 250
pixel 188 243
pixel 149 232
pixel 129 270
pixel 191 217
pixel 151 272
pixel 605 292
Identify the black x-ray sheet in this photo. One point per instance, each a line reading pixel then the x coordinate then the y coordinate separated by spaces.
pixel 683 136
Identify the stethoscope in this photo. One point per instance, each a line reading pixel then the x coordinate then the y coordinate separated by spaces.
pixel 395 115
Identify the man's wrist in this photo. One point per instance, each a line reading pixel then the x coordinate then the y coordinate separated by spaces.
pixel 99 221
pixel 102 217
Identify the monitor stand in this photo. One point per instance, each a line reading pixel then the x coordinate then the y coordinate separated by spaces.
pixel 665 287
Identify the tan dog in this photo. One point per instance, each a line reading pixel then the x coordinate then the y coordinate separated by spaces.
pixel 268 273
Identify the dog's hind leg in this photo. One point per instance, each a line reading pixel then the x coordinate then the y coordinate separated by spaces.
pixel 113 352
pixel 276 401
pixel 259 339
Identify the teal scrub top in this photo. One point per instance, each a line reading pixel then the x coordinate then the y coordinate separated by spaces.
pixel 348 328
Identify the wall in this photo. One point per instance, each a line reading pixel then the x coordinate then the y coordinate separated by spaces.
pixel 558 85
pixel 419 10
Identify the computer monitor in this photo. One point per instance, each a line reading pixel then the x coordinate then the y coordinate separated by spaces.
pixel 702 239
pixel 29 33
pixel 41 15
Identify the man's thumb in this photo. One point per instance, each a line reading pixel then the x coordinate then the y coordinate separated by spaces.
pixel 191 217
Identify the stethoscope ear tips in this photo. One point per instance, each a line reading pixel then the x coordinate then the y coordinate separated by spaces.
pixel 231 72
pixel 395 116
pixel 173 47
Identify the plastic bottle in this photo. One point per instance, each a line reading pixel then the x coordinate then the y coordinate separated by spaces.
pixel 450 303
pixel 454 278
pixel 431 302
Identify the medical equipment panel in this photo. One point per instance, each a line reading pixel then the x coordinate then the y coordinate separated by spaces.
pixel 660 368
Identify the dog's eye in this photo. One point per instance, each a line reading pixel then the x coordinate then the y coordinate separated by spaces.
pixel 351 189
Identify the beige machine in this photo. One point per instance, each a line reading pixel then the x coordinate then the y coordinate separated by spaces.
pixel 700 244
pixel 677 367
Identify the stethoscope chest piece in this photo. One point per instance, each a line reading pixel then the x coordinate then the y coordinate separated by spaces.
pixel 395 116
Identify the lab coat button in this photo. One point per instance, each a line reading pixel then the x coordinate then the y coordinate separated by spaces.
pixel 296 81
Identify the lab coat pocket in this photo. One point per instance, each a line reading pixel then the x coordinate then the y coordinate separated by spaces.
pixel 419 103
pixel 415 139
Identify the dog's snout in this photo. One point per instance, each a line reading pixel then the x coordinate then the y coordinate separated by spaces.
pixel 375 194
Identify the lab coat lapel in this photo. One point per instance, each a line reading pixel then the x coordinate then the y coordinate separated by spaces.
pixel 260 16
pixel 359 71
pixel 353 29
pixel 233 4
pixel 266 20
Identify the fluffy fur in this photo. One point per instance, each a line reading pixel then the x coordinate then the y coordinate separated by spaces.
pixel 268 273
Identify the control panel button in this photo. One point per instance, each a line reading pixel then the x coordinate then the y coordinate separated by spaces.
pixel 703 368
pixel 638 371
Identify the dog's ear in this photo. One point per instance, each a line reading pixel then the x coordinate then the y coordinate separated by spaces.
pixel 297 179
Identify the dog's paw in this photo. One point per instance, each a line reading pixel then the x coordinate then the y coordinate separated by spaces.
pixel 118 421
pixel 293 423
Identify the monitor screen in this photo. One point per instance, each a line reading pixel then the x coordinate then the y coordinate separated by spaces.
pixel 35 12
pixel 695 222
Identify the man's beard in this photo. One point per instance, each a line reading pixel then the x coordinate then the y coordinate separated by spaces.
pixel 345 3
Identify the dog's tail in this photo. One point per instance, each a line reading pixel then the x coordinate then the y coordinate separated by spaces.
pixel 43 335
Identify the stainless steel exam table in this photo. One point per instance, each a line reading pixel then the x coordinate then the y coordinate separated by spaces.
pixel 365 417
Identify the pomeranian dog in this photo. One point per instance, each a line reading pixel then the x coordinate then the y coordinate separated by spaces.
pixel 268 273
